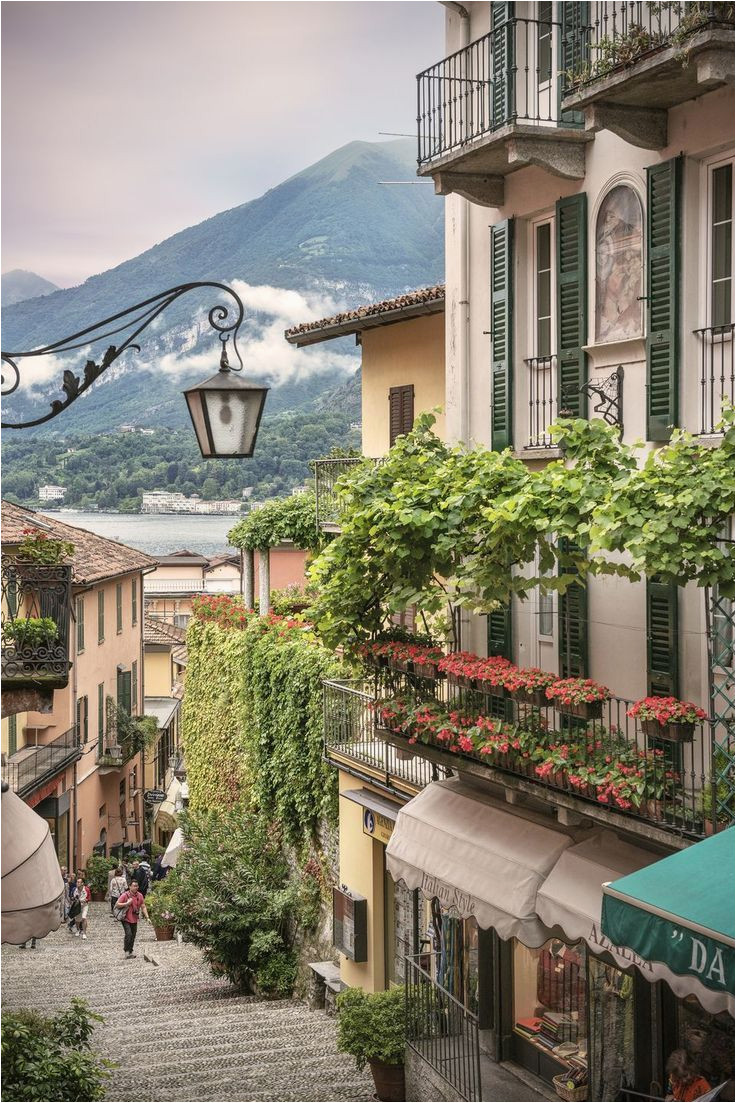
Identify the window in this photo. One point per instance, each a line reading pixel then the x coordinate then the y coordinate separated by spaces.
pixel 12 734
pixel 119 607
pixel 550 1008
pixel 134 686
pixel 80 624
pixel 401 411
pixel 544 44
pixel 543 289
pixel 721 244
pixel 134 600
pixel 100 717
pixel 618 266
pixel 100 616
pixel 82 720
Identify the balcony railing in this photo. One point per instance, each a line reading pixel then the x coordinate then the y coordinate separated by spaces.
pixel 30 767
pixel 507 76
pixel 542 377
pixel 716 374
pixel 152 585
pixel 36 612
pixel 351 737
pixel 617 35
pixel 440 1029
pixel 123 738
pixel 327 472
pixel 683 788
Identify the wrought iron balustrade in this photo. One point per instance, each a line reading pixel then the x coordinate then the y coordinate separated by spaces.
pixel 616 35
pixel 30 767
pixel 440 1028
pixel 542 382
pixel 510 75
pixel 36 614
pixel 716 375
pixel 122 739
pixel 327 473
pixel 350 735
pixel 684 788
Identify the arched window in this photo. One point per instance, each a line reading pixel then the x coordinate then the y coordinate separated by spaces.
pixel 618 266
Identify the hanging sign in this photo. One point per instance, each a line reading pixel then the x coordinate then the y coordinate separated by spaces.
pixel 376 825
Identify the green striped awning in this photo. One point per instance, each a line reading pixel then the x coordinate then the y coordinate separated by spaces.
pixel 680 911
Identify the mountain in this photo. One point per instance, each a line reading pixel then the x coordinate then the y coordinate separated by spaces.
pixel 332 233
pixel 18 285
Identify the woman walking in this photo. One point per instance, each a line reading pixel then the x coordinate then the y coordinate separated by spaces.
pixel 82 897
pixel 132 904
pixel 118 885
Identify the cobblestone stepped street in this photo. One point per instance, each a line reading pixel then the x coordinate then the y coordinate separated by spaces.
pixel 177 1032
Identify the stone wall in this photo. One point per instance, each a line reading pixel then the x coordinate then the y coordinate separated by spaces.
pixel 423 1084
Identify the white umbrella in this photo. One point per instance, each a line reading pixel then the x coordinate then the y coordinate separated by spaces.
pixel 174 849
pixel 32 885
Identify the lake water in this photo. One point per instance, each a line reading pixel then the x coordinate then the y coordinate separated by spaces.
pixel 156 533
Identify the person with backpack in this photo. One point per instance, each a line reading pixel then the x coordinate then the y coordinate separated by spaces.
pixel 80 908
pixel 129 906
pixel 118 885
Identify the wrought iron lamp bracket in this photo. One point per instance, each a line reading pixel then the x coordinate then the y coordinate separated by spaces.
pixel 133 321
pixel 610 395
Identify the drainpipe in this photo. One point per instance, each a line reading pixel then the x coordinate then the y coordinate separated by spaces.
pixel 458 345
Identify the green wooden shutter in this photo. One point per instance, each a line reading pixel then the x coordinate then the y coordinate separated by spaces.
pixel 12 734
pixel 80 624
pixel 663 291
pixel 100 616
pixel 134 686
pixel 82 720
pixel 134 601
pixel 502 268
pixel 573 627
pixel 499 632
pixel 502 60
pixel 663 668
pixel 574 52
pixel 119 607
pixel 124 690
pixel 572 304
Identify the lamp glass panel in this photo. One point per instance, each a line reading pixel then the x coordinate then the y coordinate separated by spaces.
pixel 233 417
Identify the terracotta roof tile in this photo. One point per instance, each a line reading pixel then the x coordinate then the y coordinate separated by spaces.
pixel 162 631
pixel 432 298
pixel 95 557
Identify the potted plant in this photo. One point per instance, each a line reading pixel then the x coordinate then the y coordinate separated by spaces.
pixel 31 633
pixel 528 685
pixel 461 668
pixel 371 1028
pixel 581 697
pixel 97 871
pixel 160 904
pixel 492 675
pixel 667 718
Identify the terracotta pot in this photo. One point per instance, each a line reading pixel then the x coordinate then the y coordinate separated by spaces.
pixel 673 733
pixel 164 934
pixel 586 710
pixel 98 897
pixel 535 697
pixel 389 1081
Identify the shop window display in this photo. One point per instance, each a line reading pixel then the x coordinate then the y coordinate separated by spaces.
pixel 549 1006
pixel 706 1040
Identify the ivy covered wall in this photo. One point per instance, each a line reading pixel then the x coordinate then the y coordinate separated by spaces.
pixel 252 719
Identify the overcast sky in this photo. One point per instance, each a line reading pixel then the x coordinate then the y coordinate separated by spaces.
pixel 123 122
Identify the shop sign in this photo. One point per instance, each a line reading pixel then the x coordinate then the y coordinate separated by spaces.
pixel 154 796
pixel 350 924
pixel 597 938
pixel 379 827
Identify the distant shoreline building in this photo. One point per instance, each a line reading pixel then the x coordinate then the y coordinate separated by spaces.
pixel 165 501
pixel 51 493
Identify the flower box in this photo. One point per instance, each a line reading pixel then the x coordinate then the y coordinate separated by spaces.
pixel 584 710
pixel 164 934
pixel 535 697
pixel 463 681
pixel 401 666
pixel 673 732
pixel 426 670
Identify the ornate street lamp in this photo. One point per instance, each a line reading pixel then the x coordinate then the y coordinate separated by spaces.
pixel 225 410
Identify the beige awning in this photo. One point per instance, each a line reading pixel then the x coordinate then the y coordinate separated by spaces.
pixel 476 856
pixel 167 807
pixel 32 885
pixel 572 896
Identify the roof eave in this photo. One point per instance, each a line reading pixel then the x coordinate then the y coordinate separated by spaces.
pixel 371 321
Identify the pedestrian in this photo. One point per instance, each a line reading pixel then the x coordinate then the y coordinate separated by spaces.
pixel 82 897
pixel 138 873
pixel 685 1082
pixel 24 945
pixel 159 870
pixel 132 903
pixel 118 885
